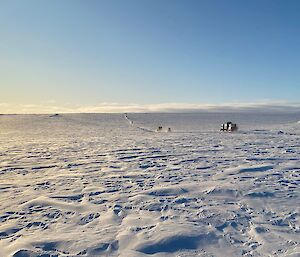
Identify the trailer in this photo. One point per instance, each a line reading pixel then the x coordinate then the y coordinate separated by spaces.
pixel 229 127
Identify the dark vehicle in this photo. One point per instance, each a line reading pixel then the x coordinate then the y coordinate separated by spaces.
pixel 229 127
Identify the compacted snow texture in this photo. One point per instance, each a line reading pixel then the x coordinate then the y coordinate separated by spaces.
pixel 111 185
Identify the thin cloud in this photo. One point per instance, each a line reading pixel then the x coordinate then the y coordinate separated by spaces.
pixel 46 108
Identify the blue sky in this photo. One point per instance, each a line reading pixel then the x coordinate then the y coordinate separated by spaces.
pixel 84 54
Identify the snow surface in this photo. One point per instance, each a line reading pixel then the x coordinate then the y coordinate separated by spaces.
pixel 110 185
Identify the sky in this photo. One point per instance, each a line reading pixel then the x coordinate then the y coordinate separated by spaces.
pixel 148 55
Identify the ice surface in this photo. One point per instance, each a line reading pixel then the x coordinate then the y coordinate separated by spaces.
pixel 110 185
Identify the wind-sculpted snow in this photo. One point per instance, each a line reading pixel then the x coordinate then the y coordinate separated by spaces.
pixel 110 185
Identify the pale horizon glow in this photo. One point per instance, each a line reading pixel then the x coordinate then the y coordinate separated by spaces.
pixel 148 56
pixel 267 106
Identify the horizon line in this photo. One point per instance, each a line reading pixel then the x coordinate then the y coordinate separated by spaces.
pixel 105 108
